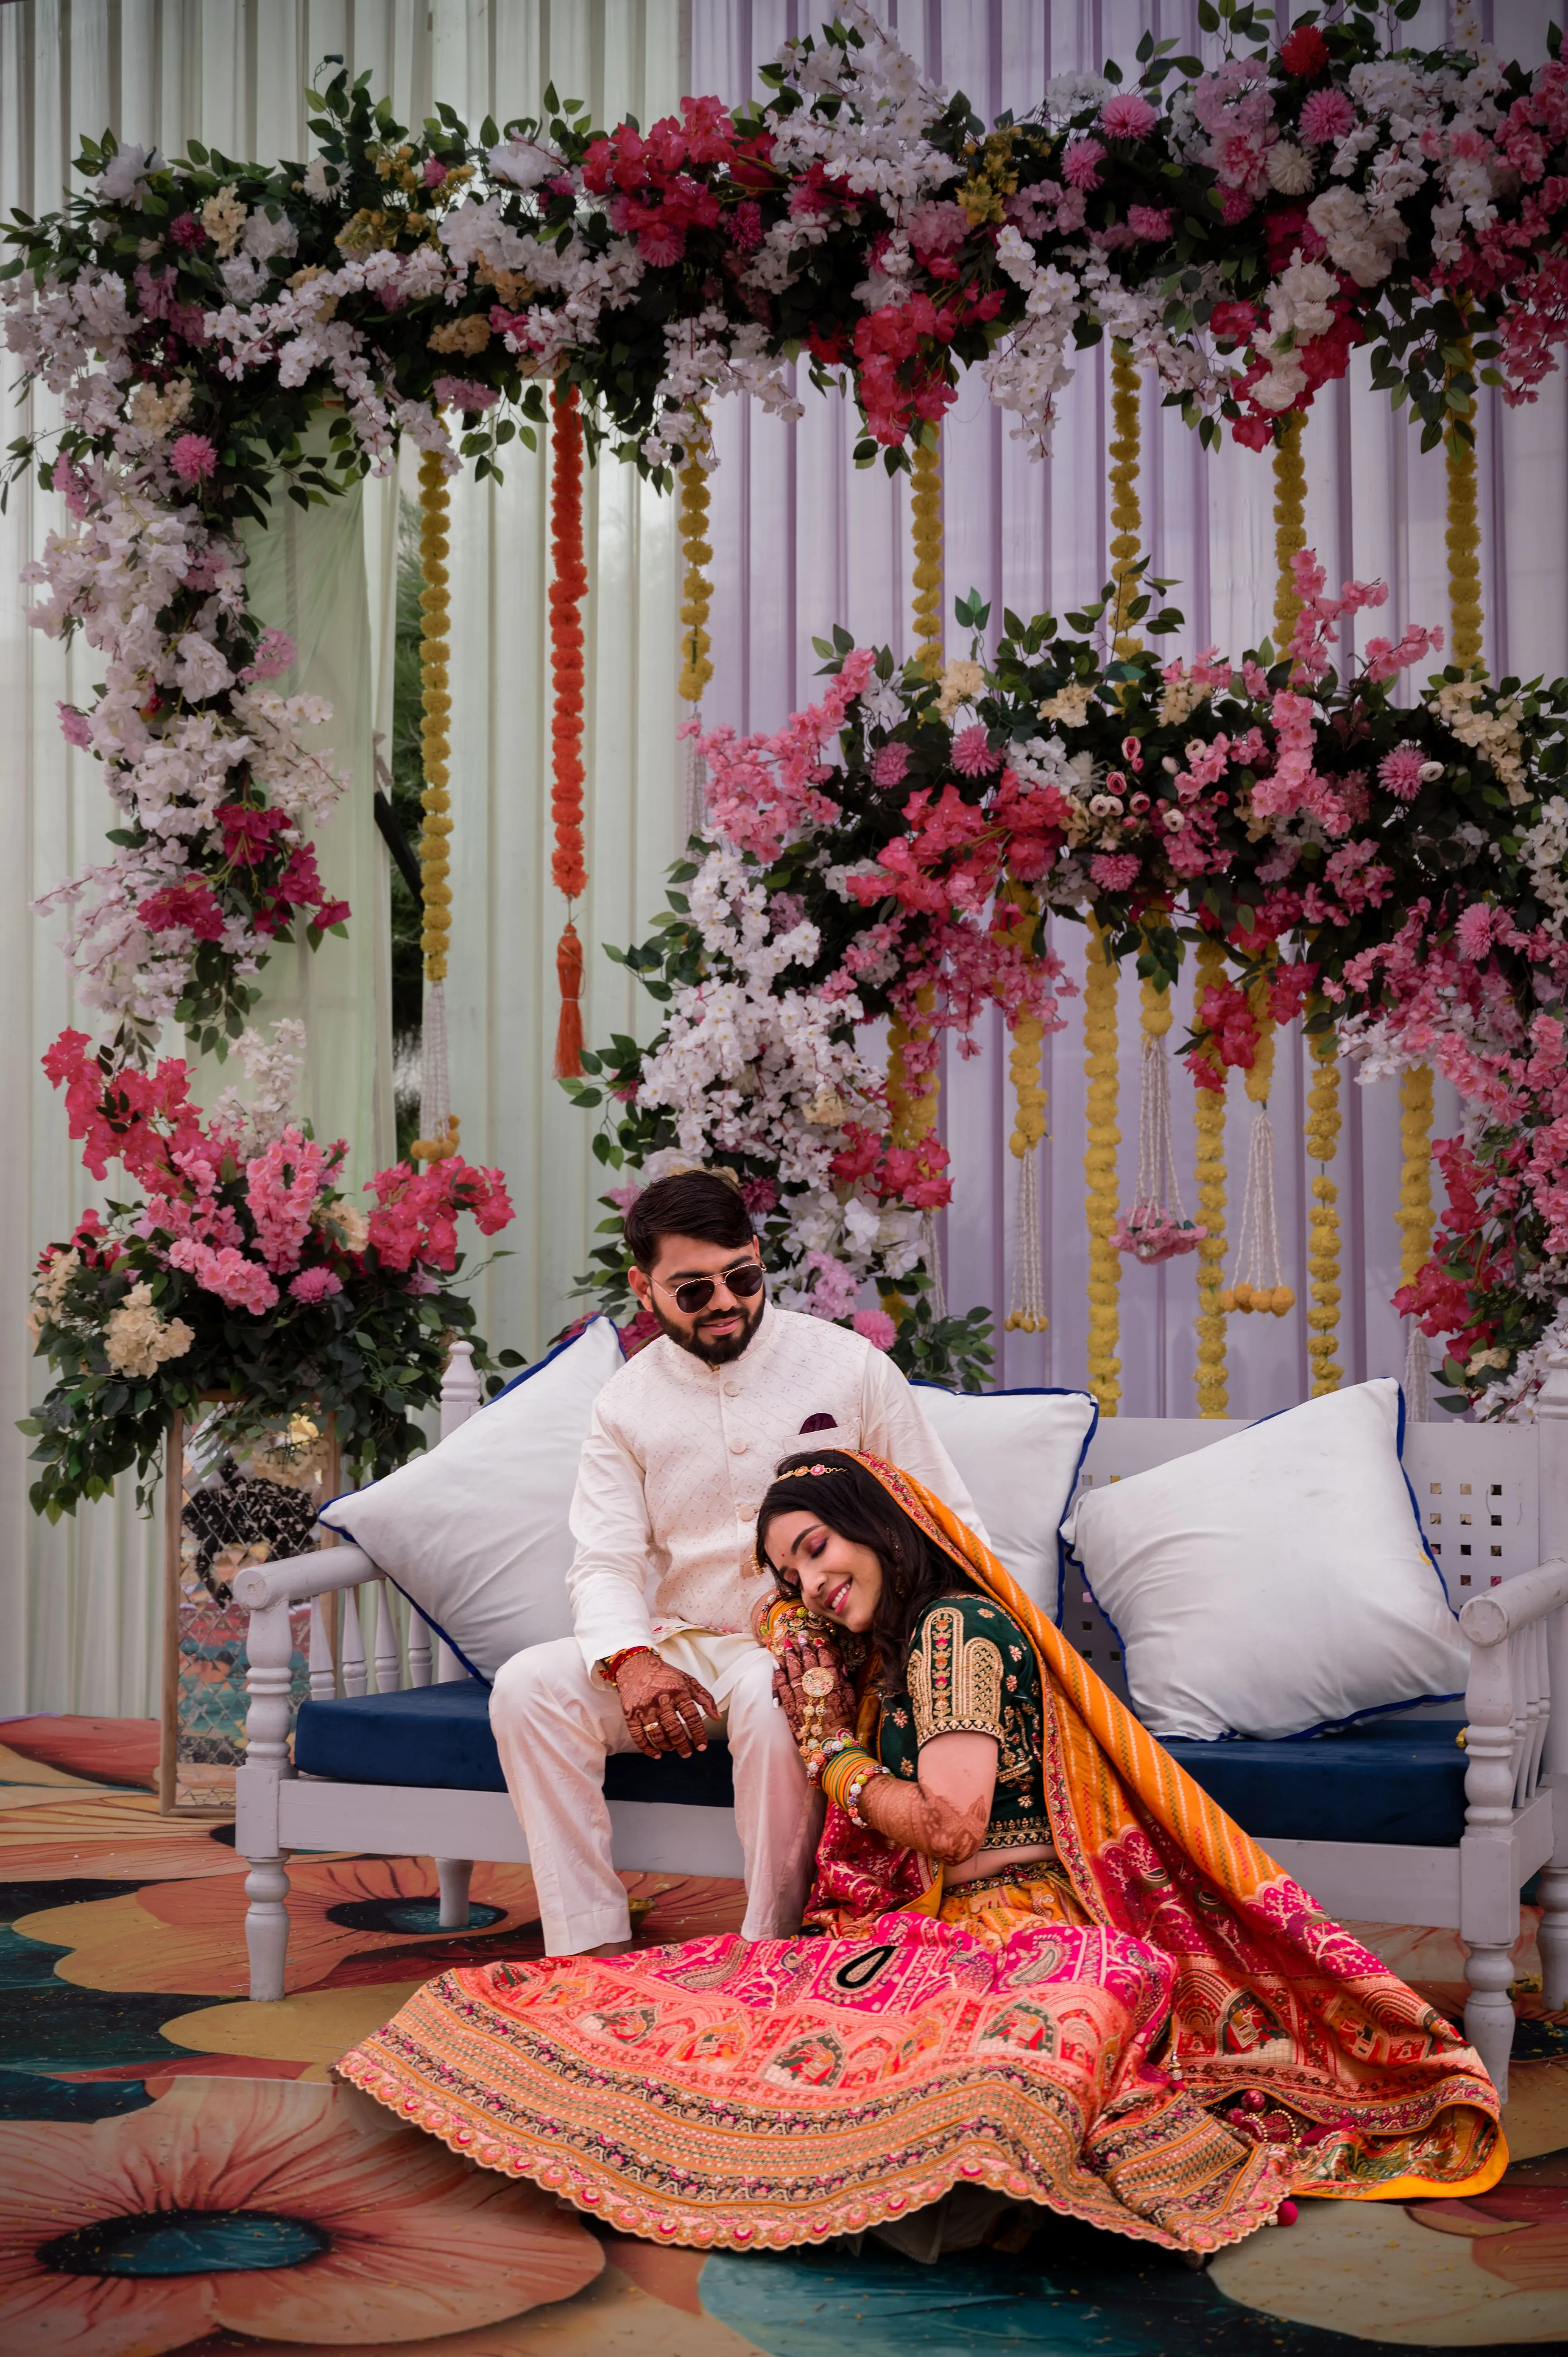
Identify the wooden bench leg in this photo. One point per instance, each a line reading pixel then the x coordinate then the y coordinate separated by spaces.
pixel 453 1875
pixel 1553 1932
pixel 1488 2012
pixel 266 1926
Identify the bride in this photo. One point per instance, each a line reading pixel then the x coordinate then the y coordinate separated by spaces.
pixel 1036 1959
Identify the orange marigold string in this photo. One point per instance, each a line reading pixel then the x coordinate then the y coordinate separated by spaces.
pixel 568 585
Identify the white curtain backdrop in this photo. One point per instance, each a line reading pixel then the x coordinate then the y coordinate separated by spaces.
pixel 801 541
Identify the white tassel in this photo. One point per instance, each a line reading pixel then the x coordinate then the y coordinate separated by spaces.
pixel 1026 1306
pixel 435 1079
pixel 932 1258
pixel 693 784
pixel 1417 1375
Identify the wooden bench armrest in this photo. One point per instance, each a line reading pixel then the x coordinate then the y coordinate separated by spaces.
pixel 1487 1619
pixel 296 1576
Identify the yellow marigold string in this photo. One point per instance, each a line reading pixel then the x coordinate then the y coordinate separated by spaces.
pixel 1323 1123
pixel 1101 1170
pixel 1027 1313
pixel 1259 1284
pixel 1290 525
pixel 1125 514
pixel 1413 1217
pixel 1209 1120
pixel 926 530
pixel 696 670
pixel 434 651
pixel 1463 536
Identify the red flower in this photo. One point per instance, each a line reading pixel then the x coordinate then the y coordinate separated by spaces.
pixel 183 904
pixel 248 832
pixel 1304 53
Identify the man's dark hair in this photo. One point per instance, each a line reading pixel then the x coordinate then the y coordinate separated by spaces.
pixel 852 1502
pixel 693 1203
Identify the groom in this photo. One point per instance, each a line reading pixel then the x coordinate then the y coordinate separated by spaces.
pixel 683 1441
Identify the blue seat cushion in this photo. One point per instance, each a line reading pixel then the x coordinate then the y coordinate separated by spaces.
pixel 1384 1783
pixel 441 1736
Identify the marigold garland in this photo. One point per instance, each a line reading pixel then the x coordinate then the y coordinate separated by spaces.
pixel 435 859
pixel 568 585
pixel 1323 1125
pixel 1413 1218
pixel 1209 1120
pixel 1101 1170
pixel 1463 535
pixel 696 668
pixel 926 530
pixel 1125 513
pixel 1290 525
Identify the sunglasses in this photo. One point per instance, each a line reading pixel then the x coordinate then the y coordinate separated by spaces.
pixel 744 1280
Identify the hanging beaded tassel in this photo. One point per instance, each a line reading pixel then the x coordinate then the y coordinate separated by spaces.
pixel 437 1124
pixel 1026 1301
pixel 1323 1234
pixel 1259 1280
pixel 696 664
pixel 1100 1169
pixel 1209 1120
pixel 1157 1227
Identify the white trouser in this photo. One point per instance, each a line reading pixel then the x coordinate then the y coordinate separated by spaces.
pixel 554 1721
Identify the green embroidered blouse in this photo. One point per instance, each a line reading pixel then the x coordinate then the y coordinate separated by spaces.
pixel 972 1671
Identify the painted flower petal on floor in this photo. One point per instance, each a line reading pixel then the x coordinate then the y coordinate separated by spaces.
pixel 190 1936
pixel 282 2211
pixel 1518 2232
pixel 113 1836
pixel 670 1907
pixel 100 1750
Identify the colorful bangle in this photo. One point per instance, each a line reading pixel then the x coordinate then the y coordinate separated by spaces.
pixel 843 1768
pixel 611 1666
pixel 830 1747
pixel 854 1789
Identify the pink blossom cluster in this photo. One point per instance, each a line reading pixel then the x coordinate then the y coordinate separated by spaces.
pixel 415 1217
pixel 764 789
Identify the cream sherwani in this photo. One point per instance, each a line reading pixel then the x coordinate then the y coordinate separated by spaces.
pixel 672 1473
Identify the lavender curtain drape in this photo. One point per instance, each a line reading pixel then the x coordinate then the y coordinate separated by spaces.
pixel 801 541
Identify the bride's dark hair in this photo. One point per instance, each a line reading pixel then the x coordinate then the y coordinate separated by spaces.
pixel 853 1503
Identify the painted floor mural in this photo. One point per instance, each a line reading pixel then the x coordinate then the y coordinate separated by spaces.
pixel 178 2171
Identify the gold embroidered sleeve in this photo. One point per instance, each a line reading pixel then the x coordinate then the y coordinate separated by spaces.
pixel 955 1679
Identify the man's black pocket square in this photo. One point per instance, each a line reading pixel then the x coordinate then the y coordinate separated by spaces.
pixel 820 1423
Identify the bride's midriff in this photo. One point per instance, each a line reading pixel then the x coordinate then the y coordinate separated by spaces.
pixel 995 1861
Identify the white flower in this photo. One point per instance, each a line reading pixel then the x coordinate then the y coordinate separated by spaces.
pixel 264 238
pixel 320 181
pixel 124 174
pixel 525 163
pixel 1290 168
pixel 243 279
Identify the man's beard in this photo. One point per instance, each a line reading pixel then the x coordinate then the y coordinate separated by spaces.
pixel 720 1352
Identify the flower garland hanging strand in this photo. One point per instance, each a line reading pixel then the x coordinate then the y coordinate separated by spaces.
pixel 1209 1120
pixel 1156 1227
pixel 1100 1169
pixel 1323 1124
pixel 696 665
pixel 1260 1283
pixel 1290 525
pixel 1463 536
pixel 1027 1312
pixel 926 530
pixel 1125 513
pixel 568 585
pixel 437 1122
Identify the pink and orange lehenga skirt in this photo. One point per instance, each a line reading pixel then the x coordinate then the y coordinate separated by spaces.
pixel 737 2095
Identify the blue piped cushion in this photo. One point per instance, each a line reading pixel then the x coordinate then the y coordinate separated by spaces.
pixel 1388 1782
pixel 441 1736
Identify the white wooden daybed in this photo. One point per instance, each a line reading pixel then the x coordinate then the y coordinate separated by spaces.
pixel 1494 1505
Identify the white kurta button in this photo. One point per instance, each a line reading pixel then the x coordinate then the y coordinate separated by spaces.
pixel 731 1388
pixel 738 1448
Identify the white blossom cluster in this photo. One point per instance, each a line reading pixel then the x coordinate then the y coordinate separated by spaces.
pixel 745 1068
pixel 1544 848
pixel 274 1068
pixel 871 131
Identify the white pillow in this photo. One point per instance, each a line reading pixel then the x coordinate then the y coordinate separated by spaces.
pixel 474 1531
pixel 1019 1453
pixel 1275 1583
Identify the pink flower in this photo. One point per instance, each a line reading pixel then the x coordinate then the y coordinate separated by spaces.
pixel 888 767
pixel 760 1196
pixel 1399 771
pixel 1115 871
pixel 1081 162
pixel 1327 114
pixel 1151 221
pixel 74 725
pixel 186 230
pixel 1128 117
pixel 315 1285
pixel 193 457
pixel 459 392
pixel 746 225
pixel 281 1186
pixel 1474 931
pixel 238 1282
pixel 877 1327
pixel 622 1198
pixel 833 1296
pixel 274 654
pixel 434 172
pixel 972 756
